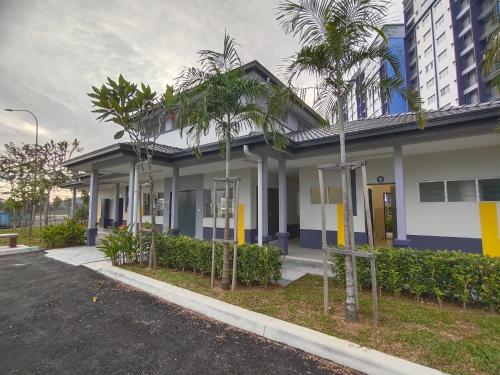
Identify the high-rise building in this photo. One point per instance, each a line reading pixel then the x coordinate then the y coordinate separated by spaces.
pixel 372 103
pixel 444 44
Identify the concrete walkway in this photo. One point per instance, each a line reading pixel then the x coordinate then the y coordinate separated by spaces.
pixel 78 256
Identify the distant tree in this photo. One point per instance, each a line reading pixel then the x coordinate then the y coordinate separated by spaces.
pixel 220 95
pixel 141 113
pixel 491 64
pixel 56 202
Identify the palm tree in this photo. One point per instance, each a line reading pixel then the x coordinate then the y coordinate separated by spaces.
pixel 221 95
pixel 335 40
pixel 491 63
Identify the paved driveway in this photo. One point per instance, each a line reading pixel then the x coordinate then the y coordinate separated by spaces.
pixel 49 325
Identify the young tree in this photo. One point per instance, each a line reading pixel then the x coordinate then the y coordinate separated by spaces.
pixel 141 113
pixel 220 95
pixel 335 40
pixel 491 64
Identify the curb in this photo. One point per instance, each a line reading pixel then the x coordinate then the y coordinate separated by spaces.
pixel 340 351
pixel 19 249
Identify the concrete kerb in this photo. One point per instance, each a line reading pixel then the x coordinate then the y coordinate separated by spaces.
pixel 19 249
pixel 337 350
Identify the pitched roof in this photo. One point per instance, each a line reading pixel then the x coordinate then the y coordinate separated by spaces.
pixel 395 121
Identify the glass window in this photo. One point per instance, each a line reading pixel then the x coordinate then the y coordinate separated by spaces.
pixel 443 73
pixel 160 203
pixel 431 191
pixel 489 189
pixel 334 194
pixel 445 90
pixel 315 195
pixel 461 190
pixel 221 202
pixel 431 99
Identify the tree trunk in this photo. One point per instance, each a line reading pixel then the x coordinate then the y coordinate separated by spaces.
pixel 351 312
pixel 152 211
pixel 225 259
pixel 47 208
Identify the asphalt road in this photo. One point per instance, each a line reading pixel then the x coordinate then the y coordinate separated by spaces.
pixel 49 324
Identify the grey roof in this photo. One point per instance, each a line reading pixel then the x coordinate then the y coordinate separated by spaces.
pixel 395 121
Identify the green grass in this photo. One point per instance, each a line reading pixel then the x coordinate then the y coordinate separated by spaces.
pixel 23 237
pixel 449 338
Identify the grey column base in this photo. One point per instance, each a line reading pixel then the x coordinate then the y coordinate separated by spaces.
pixel 91 236
pixel 283 241
pixel 116 224
pixel 401 243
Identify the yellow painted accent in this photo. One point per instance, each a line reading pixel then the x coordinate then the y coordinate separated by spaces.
pixel 241 224
pixel 340 225
pixel 489 228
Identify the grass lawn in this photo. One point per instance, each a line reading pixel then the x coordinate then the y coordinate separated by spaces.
pixel 449 338
pixel 23 237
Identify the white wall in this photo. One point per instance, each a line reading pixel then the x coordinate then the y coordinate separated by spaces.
pixel 453 219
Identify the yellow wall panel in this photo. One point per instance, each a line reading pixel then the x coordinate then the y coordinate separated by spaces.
pixel 241 224
pixel 489 228
pixel 340 225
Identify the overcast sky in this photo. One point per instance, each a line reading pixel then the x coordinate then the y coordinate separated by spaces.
pixel 53 51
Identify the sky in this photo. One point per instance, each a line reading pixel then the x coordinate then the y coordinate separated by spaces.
pixel 53 51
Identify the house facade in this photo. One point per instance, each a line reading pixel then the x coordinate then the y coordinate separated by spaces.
pixel 436 188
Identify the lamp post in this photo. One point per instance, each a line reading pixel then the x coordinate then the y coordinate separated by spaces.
pixel 36 165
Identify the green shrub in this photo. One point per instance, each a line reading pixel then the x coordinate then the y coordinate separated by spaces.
pixel 256 264
pixel 444 275
pixel 121 246
pixel 69 233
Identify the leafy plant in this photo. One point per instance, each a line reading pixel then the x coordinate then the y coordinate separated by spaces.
pixel 121 246
pixel 445 275
pixel 69 233
pixel 256 264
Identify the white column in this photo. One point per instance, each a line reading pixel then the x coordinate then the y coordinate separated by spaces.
pixel 136 200
pixel 130 208
pixel 283 234
pixel 73 204
pixel 93 198
pixel 167 183
pixel 174 207
pixel 117 206
pixel 262 188
pixel 401 239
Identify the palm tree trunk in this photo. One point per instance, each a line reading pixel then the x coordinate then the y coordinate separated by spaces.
pixel 225 259
pixel 152 211
pixel 351 312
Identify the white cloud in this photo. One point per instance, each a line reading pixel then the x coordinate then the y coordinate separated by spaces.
pixel 53 51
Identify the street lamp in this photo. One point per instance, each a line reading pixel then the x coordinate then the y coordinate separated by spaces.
pixel 36 164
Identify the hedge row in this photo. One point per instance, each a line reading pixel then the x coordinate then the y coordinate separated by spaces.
pixel 256 264
pixel 66 234
pixel 443 275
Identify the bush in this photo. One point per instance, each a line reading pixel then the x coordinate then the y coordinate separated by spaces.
pixel 256 264
pixel 121 246
pixel 444 275
pixel 69 233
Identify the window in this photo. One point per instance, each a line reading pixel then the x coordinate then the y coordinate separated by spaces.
pixel 427 51
pixel 427 35
pixel 334 194
pixel 429 66
pixel 443 73
pixel 446 106
pixel 440 39
pixel 489 189
pixel 221 202
pixel 316 196
pixel 440 21
pixel 461 190
pixel 430 83
pixel 438 3
pixel 445 90
pixel 431 191
pixel 442 56
pixel 431 99
pixel 160 202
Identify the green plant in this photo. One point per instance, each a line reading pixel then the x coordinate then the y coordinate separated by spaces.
pixel 121 246
pixel 445 275
pixel 69 233
pixel 256 264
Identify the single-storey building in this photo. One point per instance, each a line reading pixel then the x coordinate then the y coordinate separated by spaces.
pixel 436 188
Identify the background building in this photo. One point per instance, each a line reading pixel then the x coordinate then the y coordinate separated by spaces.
pixel 444 44
pixel 372 103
